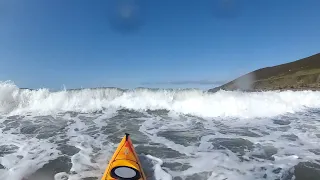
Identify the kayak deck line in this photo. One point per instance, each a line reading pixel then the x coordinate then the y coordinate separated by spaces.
pixel 124 163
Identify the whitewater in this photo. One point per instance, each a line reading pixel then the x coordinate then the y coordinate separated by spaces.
pixel 179 134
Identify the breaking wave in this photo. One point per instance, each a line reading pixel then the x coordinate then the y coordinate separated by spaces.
pixel 15 101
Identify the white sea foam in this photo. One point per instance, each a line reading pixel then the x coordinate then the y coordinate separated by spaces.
pixel 30 155
pixel 217 112
pixel 159 173
pixel 14 101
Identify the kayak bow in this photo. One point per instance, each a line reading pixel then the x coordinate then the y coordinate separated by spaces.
pixel 124 164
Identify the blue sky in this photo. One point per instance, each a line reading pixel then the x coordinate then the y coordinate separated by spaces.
pixel 81 43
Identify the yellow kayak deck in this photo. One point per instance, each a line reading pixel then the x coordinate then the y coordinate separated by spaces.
pixel 124 164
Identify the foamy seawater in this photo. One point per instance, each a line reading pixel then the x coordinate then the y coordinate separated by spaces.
pixel 178 134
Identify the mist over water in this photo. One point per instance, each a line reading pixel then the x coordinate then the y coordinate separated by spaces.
pixel 245 82
pixel 178 134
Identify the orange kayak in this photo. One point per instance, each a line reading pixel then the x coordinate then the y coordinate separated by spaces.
pixel 124 164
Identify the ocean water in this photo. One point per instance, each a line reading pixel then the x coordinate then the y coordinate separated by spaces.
pixel 178 134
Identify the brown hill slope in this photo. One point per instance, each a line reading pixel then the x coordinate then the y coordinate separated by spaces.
pixel 297 75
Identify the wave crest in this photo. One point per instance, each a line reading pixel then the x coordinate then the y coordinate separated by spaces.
pixel 15 101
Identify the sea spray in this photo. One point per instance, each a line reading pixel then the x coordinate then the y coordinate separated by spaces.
pixel 15 101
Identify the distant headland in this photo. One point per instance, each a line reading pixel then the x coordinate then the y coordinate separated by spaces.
pixel 303 74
